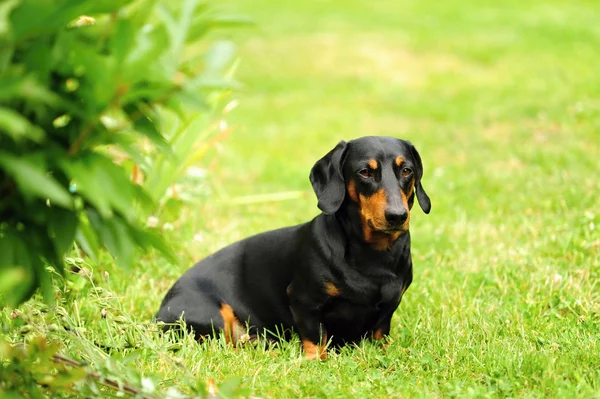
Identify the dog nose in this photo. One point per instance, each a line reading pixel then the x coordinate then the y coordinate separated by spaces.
pixel 396 216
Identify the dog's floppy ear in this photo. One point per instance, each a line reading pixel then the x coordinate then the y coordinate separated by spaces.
pixel 327 179
pixel 422 196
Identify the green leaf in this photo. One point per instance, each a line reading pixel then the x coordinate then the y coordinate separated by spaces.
pixel 88 240
pixel 140 12
pixel 104 6
pixel 16 268
pixel 144 62
pixel 191 99
pixel 35 18
pixel 45 280
pixel 102 183
pixel 38 58
pixel 116 237
pixel 6 8
pixel 123 39
pixel 219 58
pixel 34 181
pixel 87 185
pixel 100 85
pixel 116 184
pixel 12 249
pixel 178 29
pixel 200 27
pixel 16 86
pixel 145 122
pixel 11 277
pixel 152 239
pixel 130 148
pixel 62 225
pixel 6 54
pixel 147 92
pixel 18 127
pixel 5 57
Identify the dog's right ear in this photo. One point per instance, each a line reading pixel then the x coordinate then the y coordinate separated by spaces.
pixel 327 179
pixel 422 196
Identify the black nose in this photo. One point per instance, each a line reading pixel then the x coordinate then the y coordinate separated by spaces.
pixel 396 216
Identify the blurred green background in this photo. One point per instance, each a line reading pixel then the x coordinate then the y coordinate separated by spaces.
pixel 501 98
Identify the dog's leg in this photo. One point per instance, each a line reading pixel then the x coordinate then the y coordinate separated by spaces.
pixel 316 350
pixel 311 330
pixel 382 331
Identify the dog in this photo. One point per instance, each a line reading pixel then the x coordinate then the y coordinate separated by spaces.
pixel 338 278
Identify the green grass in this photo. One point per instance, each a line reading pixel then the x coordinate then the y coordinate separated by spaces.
pixel 502 99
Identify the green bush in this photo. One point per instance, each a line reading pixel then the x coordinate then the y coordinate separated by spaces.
pixel 81 81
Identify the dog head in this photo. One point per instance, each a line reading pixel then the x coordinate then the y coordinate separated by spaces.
pixel 378 175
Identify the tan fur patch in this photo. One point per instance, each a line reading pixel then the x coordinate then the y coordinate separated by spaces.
pixel 232 328
pixel 372 209
pixel 399 160
pixel 313 351
pixel 373 164
pixel 381 339
pixel 352 191
pixel 406 224
pixel 331 289
pixel 381 241
pixel 378 335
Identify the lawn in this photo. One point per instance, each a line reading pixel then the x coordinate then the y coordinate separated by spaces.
pixel 502 99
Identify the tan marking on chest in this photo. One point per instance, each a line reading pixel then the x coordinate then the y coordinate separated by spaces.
pixel 331 289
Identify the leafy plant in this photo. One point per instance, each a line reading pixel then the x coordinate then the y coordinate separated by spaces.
pixel 36 369
pixel 80 83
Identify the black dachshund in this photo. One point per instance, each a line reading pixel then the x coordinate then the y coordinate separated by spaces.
pixel 340 276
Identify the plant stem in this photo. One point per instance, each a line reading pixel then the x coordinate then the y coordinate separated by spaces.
pixel 111 383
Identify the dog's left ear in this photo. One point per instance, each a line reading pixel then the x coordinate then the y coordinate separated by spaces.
pixel 422 196
pixel 327 179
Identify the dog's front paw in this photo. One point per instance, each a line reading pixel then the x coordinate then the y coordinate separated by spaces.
pixel 313 351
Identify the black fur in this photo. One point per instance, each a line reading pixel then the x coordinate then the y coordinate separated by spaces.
pixel 320 277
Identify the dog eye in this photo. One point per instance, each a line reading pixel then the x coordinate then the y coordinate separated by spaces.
pixel 406 172
pixel 365 172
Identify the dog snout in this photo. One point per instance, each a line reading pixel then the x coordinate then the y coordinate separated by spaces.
pixel 396 216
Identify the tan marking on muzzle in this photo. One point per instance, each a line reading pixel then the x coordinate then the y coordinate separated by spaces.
pixel 372 209
pixel 406 224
